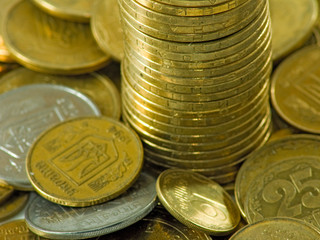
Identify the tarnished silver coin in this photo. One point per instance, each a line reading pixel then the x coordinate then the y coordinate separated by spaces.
pixel 25 113
pixel 158 225
pixel 51 220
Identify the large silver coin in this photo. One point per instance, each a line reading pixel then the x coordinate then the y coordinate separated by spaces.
pixel 51 220
pixel 25 113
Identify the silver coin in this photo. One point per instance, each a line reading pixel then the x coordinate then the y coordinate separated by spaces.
pixel 25 113
pixel 160 225
pixel 51 220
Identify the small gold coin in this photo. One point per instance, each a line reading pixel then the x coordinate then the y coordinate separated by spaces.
pixel 197 202
pixel 292 27
pixel 13 205
pixel 48 44
pixel 85 161
pixel 277 229
pixel 17 230
pixel 107 29
pixel 78 11
pixel 97 87
pixel 288 188
pixel 295 89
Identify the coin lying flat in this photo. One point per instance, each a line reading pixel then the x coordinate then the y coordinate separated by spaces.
pixel 107 29
pixel 277 229
pixel 158 225
pixel 197 202
pixel 48 44
pixel 274 152
pixel 51 220
pixel 85 161
pixel 13 204
pixel 96 86
pixel 25 113
pixel 79 11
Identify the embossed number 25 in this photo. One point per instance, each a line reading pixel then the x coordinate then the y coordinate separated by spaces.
pixel 271 193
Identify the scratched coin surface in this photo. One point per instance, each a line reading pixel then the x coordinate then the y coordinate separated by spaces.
pixel 197 202
pixel 158 225
pixel 286 189
pixel 277 229
pixel 48 44
pixel 25 113
pixel 85 161
pixel 74 10
pixel 16 202
pixel 96 86
pixel 51 220
pixel 295 89
pixel 291 146
pixel 106 27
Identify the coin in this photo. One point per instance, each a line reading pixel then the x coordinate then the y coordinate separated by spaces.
pixel 276 151
pixel 48 44
pixel 78 11
pixel 286 189
pixel 197 202
pixel 96 86
pixel 25 113
pixel 13 205
pixel 294 89
pixel 51 220
pixel 277 228
pixel 106 27
pixel 85 161
pixel 290 29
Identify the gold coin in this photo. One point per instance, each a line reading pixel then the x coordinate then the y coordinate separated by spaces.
pixel 181 33
pixel 197 202
pixel 276 151
pixel 16 202
pixel 286 189
pixel 96 86
pixel 277 229
pixel 106 27
pixel 48 44
pixel 295 91
pixel 84 161
pixel 291 28
pixel 5 191
pixel 188 11
pixel 78 11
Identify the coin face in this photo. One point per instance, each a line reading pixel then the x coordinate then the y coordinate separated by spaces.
pixel 48 44
pixel 286 189
pixel 74 10
pixel 277 229
pixel 197 202
pixel 294 89
pixel 55 221
pixel 96 86
pixel 85 161
pixel 25 113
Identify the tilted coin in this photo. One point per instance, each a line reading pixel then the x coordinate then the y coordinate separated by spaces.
pixel 158 225
pixel 25 113
pixel 106 27
pixel 48 44
pixel 16 202
pixel 96 86
pixel 197 202
pixel 18 230
pixel 295 91
pixel 85 161
pixel 286 189
pixel 51 220
pixel 274 152
pixel 290 29
pixel 277 229
pixel 79 10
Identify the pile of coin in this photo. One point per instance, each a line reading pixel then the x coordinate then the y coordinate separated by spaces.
pixel 195 81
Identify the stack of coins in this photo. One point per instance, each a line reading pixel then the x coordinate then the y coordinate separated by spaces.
pixel 195 81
